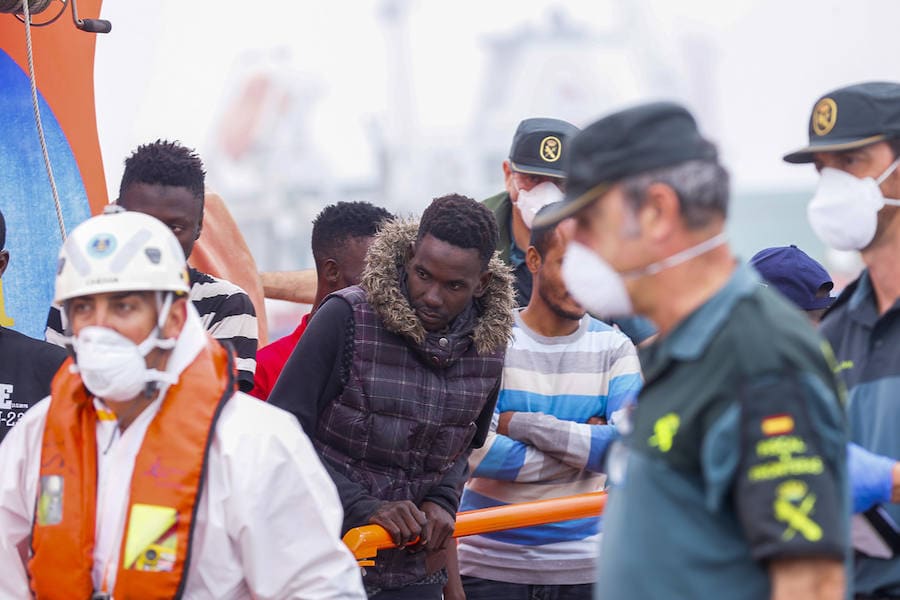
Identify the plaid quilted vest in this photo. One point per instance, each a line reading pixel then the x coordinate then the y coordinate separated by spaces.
pixel 406 414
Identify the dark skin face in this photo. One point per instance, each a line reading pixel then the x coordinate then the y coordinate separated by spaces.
pixel 548 279
pixel 442 280
pixel 4 261
pixel 175 206
pixel 345 269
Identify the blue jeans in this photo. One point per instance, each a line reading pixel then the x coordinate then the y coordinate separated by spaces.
pixel 485 589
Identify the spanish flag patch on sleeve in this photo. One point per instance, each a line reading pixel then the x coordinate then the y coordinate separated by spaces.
pixel 777 425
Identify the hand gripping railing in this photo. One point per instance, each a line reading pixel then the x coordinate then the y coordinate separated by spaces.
pixel 365 542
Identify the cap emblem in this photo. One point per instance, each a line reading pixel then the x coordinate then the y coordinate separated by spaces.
pixel 824 116
pixel 101 245
pixel 550 148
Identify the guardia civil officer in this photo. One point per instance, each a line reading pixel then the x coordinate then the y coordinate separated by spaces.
pixel 854 143
pixel 731 483
pixel 533 177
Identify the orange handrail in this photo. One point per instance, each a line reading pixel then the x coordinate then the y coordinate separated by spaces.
pixel 365 542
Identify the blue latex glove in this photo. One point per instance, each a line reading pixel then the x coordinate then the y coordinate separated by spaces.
pixel 871 477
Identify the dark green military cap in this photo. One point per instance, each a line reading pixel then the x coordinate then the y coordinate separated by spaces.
pixel 539 146
pixel 629 142
pixel 851 117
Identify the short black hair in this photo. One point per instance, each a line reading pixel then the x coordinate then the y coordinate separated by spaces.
pixel 165 163
pixel 342 221
pixel 462 222
pixel 543 238
pixel 2 231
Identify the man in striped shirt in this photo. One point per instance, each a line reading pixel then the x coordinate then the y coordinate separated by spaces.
pixel 565 375
pixel 166 180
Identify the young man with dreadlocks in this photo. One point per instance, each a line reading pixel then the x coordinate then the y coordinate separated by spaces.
pixel 166 180
pixel 341 236
pixel 396 380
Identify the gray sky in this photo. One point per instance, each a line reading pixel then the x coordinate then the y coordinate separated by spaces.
pixel 167 65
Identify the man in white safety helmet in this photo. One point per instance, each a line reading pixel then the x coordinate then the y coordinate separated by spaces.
pixel 144 473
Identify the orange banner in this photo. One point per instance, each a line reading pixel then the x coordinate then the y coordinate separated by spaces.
pixel 64 69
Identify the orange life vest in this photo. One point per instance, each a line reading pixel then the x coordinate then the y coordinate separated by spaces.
pixel 168 475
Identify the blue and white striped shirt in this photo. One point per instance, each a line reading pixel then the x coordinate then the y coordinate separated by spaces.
pixel 554 385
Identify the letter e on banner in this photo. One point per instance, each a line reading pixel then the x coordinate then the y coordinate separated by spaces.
pixel 6 391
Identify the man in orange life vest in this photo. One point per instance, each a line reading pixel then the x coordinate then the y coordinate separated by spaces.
pixel 226 498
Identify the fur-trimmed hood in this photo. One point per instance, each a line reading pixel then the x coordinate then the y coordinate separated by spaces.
pixel 380 279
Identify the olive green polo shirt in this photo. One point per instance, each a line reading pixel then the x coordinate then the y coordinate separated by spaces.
pixel 736 455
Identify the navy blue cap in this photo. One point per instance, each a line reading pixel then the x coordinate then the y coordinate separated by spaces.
pixel 792 272
pixel 851 117
pixel 539 145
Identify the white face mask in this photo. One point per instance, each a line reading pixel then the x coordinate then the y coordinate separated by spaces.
pixel 533 200
pixel 113 367
pixel 601 290
pixel 844 211
pixel 593 283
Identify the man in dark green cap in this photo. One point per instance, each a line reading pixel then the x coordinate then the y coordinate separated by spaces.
pixel 731 482
pixel 533 177
pixel 854 143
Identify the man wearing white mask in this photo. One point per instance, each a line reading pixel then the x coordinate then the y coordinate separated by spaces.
pixel 732 478
pixel 854 143
pixel 144 473
pixel 534 177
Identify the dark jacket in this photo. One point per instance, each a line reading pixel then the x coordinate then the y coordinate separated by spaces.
pixel 501 206
pixel 403 416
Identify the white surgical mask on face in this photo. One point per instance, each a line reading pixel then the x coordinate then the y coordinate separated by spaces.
pixel 844 210
pixel 533 200
pixel 593 283
pixel 113 367
pixel 601 290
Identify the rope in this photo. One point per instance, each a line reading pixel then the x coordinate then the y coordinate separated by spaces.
pixel 37 120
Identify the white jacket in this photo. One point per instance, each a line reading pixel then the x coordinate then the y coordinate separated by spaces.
pixel 268 522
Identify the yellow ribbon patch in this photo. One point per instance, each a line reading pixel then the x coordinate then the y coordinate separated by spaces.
pixel 151 543
pixel 664 431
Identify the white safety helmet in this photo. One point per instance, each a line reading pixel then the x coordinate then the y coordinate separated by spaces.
pixel 120 251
